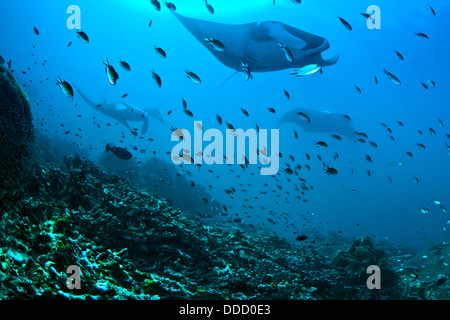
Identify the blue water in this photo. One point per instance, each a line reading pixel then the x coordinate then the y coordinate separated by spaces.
pixel 353 204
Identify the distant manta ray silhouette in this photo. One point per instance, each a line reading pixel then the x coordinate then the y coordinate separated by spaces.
pixel 320 121
pixel 259 44
pixel 123 112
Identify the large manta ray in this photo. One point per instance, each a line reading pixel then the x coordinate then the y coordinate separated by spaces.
pixel 257 44
pixel 320 121
pixel 123 112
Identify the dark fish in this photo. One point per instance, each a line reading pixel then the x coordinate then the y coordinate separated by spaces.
pixel 65 87
pixel 424 85
pixel 111 73
pixel 170 5
pixel 219 119
pixel 209 7
pixel 192 76
pixel 358 89
pixel 245 112
pixel 150 23
pixel 303 116
pixel 330 171
pixel 393 78
pixel 36 31
pixel 301 238
pixel 160 52
pixel 156 78
pixel 421 35
pixel 119 152
pixel 346 24
pixel 399 55
pixel 229 126
pixel 184 103
pixel 69 44
pixel 271 110
pixel 124 65
pixel 432 11
pixel 376 80
pixel 156 5
pixel 82 36
pixel 288 96
pixel 125 95
pixel 188 113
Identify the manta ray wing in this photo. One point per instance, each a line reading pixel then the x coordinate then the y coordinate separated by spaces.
pixel 257 44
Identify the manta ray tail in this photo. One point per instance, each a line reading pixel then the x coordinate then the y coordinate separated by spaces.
pixel 227 79
pixel 82 95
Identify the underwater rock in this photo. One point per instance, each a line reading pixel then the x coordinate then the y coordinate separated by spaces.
pixel 16 136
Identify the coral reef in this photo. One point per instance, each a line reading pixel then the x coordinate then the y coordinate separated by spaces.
pixel 16 135
pixel 131 245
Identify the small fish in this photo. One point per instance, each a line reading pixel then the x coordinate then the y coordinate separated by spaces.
pixel 245 112
pixel 125 95
pixel 432 11
pixel 306 70
pixel 425 210
pixel 409 154
pixel 393 78
pixel 271 110
pixel 346 24
pixel 424 85
pixel 124 65
pixel 288 171
pixel 301 238
pixel 36 31
pixel 156 78
pixel 192 76
pixel 156 5
pixel 287 95
pixel 246 70
pixel 431 82
pixel 287 52
pixel 219 119
pixel 436 201
pixel 376 80
pixel 303 116
pixel 421 35
pixel 150 23
pixel 209 7
pixel 111 73
pixel 184 103
pixel 69 44
pixel 357 89
pixel 432 131
pixel 330 171
pixel 119 152
pixel 321 144
pixel 337 137
pixel 170 5
pixel 82 36
pixel 160 52
pixel 188 113
pixel 65 87
pixel 216 44
pixel 421 145
pixel 399 55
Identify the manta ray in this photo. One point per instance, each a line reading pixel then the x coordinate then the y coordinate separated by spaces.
pixel 124 112
pixel 320 121
pixel 262 46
